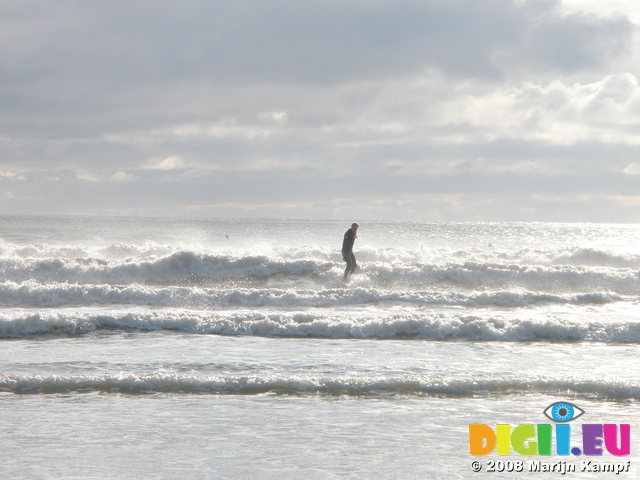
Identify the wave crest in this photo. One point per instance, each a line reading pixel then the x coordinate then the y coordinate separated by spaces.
pixel 295 385
pixel 423 326
pixel 33 294
pixel 190 268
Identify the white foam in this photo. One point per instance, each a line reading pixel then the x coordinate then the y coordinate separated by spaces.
pixel 176 267
pixel 596 257
pixel 189 267
pixel 297 385
pixel 56 294
pixel 425 326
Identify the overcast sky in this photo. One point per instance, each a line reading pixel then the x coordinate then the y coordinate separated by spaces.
pixel 456 110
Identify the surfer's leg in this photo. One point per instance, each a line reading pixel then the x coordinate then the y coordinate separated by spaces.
pixel 353 263
pixel 347 270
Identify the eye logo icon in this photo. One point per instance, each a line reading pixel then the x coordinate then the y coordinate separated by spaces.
pixel 563 412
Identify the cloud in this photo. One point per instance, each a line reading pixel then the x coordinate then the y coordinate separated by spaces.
pixel 122 177
pixel 561 113
pixel 610 8
pixel 278 117
pixel 169 163
pixel 632 169
pixel 84 176
pixel 433 109
pixel 77 47
pixel 12 175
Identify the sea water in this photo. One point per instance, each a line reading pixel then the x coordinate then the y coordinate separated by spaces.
pixel 159 348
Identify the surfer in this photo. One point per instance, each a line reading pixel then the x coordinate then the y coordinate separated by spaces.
pixel 347 250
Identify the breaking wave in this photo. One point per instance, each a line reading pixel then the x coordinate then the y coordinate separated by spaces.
pixel 176 267
pixel 313 324
pixel 296 385
pixel 33 294
pixel 595 257
pixel 191 268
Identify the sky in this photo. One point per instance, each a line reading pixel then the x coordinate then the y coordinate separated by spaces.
pixel 438 110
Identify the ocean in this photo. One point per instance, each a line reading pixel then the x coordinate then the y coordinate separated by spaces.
pixel 174 348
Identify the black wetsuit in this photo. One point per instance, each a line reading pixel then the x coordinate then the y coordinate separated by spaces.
pixel 347 252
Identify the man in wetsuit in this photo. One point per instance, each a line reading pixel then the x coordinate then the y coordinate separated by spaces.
pixel 347 250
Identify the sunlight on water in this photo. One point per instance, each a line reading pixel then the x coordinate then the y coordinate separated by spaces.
pixel 98 316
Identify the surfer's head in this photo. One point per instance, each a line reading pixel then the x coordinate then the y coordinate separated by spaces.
pixel 354 226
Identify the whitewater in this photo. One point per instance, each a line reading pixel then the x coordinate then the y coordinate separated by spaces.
pixel 232 348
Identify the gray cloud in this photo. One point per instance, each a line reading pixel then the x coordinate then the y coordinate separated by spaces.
pixel 90 50
pixel 436 109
